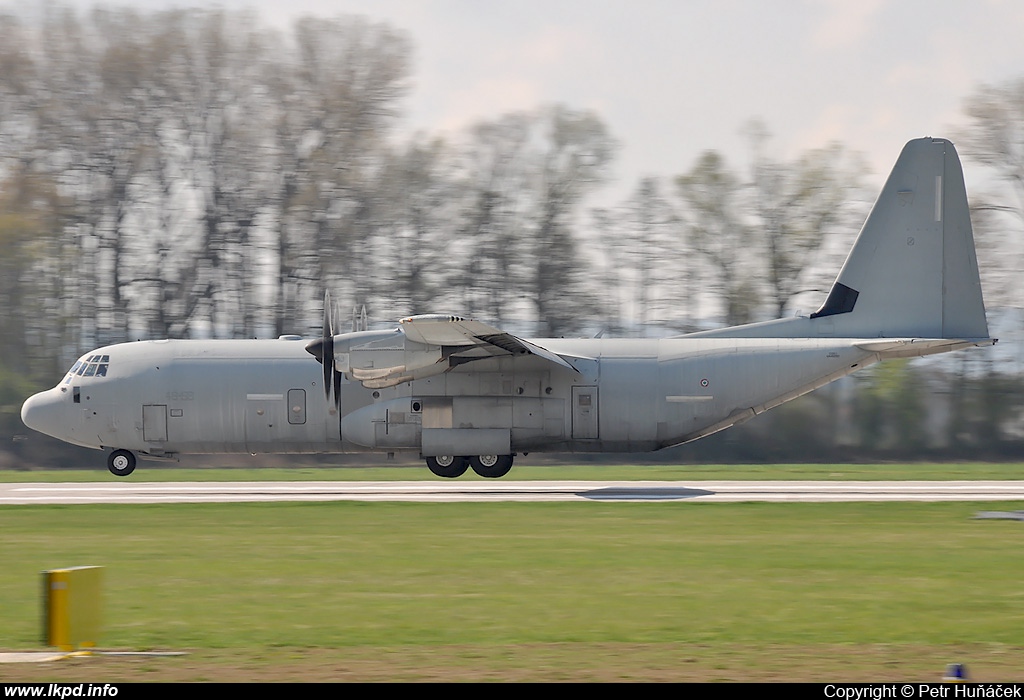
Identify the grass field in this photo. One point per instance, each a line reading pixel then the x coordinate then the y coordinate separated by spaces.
pixel 521 591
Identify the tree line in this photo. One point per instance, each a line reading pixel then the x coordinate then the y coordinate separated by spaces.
pixel 193 173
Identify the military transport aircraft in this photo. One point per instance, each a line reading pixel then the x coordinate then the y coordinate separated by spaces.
pixel 464 394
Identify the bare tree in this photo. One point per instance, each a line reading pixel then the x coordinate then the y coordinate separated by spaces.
pixel 496 162
pixel 994 139
pixel 343 97
pixel 418 204
pixel 797 206
pixel 645 257
pixel 575 153
pixel 711 209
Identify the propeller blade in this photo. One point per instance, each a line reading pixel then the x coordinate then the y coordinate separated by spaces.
pixel 337 389
pixel 323 350
pixel 327 347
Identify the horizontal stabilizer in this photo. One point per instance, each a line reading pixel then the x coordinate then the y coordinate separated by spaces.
pixel 918 347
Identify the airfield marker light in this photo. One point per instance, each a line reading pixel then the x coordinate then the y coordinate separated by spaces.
pixel 955 673
pixel 72 607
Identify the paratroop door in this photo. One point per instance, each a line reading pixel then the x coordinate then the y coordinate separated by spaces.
pixel 584 413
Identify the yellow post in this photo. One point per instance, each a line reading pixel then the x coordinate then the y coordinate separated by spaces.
pixel 72 602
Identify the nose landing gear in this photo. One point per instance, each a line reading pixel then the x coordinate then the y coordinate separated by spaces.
pixel 121 462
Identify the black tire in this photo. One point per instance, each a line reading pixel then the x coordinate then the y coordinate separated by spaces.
pixel 491 466
pixel 121 462
pixel 447 466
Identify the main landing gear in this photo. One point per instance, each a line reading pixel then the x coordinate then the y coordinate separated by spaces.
pixel 448 466
pixel 121 462
pixel 491 466
pixel 488 466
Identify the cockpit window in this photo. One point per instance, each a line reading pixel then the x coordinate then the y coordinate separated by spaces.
pixel 91 366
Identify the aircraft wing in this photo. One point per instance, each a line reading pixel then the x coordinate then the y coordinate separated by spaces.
pixel 461 334
pixel 432 345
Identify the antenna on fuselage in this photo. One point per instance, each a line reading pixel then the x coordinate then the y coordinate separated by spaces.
pixel 358 319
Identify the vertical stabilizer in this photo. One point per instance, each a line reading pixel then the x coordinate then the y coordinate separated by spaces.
pixel 913 271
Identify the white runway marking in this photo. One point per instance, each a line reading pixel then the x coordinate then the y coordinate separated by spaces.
pixel 454 491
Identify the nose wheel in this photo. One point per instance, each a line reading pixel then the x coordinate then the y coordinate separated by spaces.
pixel 121 462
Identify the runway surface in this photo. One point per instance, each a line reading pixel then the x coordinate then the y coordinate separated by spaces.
pixel 496 491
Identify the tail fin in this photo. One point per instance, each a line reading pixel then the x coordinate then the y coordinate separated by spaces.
pixel 913 271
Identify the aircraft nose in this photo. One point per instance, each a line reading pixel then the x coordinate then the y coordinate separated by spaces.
pixel 42 412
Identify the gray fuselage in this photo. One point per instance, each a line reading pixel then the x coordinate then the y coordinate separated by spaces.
pixel 222 396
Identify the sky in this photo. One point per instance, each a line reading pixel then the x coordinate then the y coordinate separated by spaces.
pixel 674 78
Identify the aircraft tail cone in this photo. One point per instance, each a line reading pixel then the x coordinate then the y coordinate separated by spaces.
pixel 955 673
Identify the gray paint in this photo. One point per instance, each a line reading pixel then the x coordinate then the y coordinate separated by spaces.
pixel 446 385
